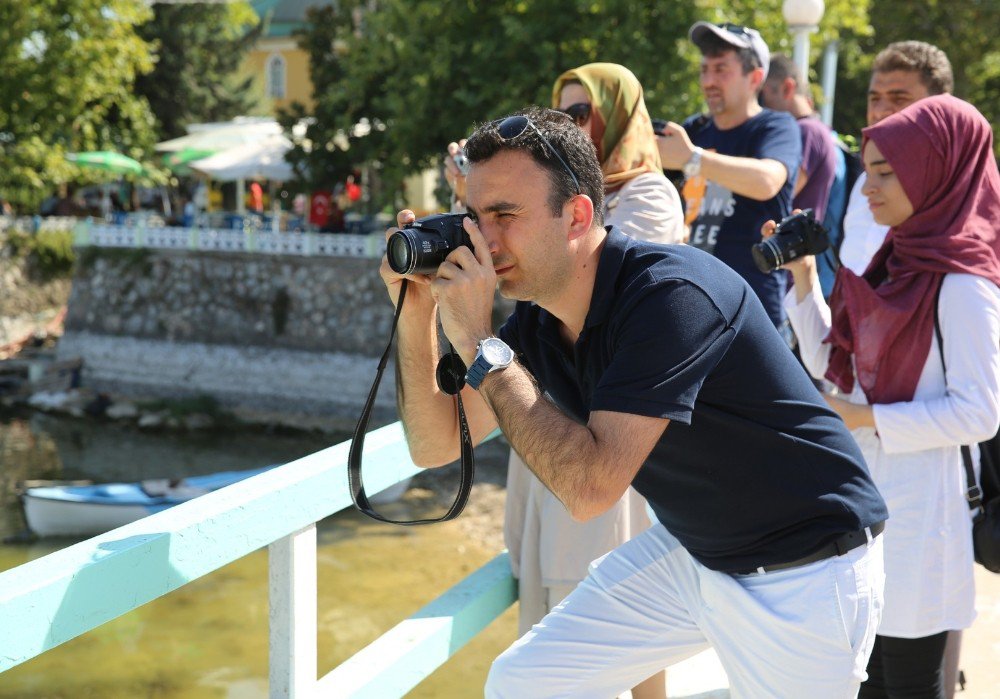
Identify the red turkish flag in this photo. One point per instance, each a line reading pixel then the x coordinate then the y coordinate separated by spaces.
pixel 319 208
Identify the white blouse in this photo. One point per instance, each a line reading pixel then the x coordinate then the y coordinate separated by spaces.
pixel 914 455
pixel 647 207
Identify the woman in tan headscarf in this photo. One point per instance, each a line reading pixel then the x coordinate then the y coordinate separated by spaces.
pixel 605 100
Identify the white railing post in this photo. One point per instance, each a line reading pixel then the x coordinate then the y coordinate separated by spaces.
pixel 292 593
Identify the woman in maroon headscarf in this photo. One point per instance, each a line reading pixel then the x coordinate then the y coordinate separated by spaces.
pixel 933 179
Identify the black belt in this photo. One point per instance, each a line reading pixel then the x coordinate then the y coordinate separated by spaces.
pixel 837 547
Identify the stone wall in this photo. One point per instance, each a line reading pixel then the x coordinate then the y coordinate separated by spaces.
pixel 318 304
pixel 276 338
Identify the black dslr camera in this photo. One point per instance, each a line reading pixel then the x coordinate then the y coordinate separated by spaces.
pixel 797 235
pixel 420 247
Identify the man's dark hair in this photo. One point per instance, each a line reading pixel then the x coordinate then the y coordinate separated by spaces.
pixel 927 60
pixel 713 47
pixel 783 67
pixel 573 144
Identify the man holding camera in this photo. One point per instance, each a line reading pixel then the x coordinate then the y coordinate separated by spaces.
pixel 740 161
pixel 624 363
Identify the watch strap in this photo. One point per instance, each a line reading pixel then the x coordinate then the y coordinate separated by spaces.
pixel 477 372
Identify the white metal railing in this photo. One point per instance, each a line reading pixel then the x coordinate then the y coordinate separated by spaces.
pixel 50 600
pixel 89 234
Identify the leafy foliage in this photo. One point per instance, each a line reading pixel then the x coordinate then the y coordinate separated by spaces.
pixel 68 70
pixel 966 30
pixel 49 252
pixel 198 50
pixel 422 73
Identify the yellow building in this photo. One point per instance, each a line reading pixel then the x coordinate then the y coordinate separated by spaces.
pixel 278 62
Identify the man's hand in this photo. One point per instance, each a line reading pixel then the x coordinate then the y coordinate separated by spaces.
pixel 675 146
pixel 463 290
pixel 456 180
pixel 419 290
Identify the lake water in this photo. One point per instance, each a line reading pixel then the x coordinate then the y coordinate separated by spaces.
pixel 209 639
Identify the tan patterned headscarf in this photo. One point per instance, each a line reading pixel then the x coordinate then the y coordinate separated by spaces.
pixel 622 133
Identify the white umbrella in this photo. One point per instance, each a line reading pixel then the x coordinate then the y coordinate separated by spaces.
pixel 222 135
pixel 264 160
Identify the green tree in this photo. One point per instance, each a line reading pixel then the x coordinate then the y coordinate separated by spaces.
pixel 424 73
pixel 964 29
pixel 343 129
pixel 198 49
pixel 418 74
pixel 69 66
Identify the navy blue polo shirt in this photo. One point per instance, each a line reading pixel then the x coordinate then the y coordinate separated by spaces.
pixel 754 468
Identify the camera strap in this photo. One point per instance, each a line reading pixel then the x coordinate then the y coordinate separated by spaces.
pixel 449 365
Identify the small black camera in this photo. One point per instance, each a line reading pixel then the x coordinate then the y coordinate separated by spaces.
pixel 797 235
pixel 462 162
pixel 420 247
pixel 659 126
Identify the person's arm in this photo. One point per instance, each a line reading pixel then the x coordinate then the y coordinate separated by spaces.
pixel 754 178
pixel 969 412
pixel 807 310
pixel 800 183
pixel 454 177
pixel 588 467
pixel 429 416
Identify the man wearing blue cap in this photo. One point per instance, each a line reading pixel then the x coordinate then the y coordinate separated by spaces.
pixel 740 161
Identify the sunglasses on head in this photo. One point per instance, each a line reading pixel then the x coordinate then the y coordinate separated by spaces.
pixel 735 29
pixel 513 126
pixel 578 112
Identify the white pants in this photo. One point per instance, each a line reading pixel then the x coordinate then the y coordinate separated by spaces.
pixel 800 633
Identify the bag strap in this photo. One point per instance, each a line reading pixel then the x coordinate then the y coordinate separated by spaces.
pixel 974 494
pixel 354 479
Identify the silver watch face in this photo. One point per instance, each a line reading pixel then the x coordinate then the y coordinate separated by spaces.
pixel 496 351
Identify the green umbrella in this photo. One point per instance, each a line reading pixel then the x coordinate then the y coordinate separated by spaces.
pixel 178 160
pixel 107 160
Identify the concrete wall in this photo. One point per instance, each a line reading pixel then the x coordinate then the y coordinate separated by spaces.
pixel 281 338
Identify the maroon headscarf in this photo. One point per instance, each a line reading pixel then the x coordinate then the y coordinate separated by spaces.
pixel 941 149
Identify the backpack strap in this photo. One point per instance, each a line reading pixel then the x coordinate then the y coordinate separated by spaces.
pixel 973 494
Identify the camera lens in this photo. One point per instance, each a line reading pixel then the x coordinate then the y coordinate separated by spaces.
pixel 399 251
pixel 767 255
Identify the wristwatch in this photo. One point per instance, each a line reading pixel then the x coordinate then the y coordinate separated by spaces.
pixel 693 166
pixel 493 354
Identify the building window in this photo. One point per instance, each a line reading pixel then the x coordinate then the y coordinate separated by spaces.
pixel 275 71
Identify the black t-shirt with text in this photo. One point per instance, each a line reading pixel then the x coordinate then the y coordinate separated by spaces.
pixel 727 224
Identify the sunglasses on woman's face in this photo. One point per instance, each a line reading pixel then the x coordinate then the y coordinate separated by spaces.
pixel 513 126
pixel 578 112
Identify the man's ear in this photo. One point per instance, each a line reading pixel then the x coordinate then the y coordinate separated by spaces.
pixel 756 80
pixel 582 216
pixel 788 89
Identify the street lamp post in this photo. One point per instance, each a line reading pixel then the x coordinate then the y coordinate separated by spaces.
pixel 802 17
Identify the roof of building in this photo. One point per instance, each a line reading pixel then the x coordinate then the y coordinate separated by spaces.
pixel 286 15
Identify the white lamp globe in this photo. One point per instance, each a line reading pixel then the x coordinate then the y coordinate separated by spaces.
pixel 803 13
